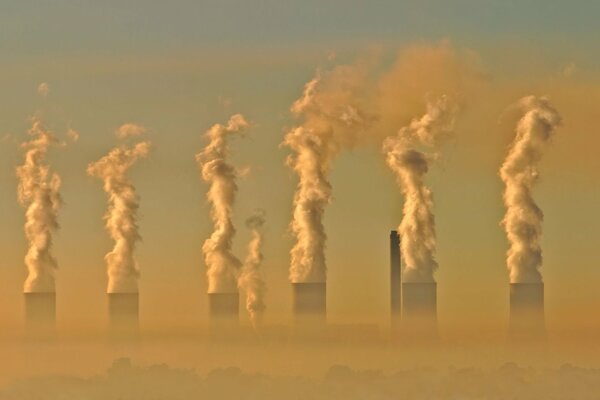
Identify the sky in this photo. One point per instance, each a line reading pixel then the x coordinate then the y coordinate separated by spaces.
pixel 179 68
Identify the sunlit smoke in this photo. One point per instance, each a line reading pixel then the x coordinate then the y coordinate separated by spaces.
pixel 123 203
pixel 43 89
pixel 250 279
pixel 222 265
pixel 334 116
pixel 523 218
pixel 38 192
pixel 410 165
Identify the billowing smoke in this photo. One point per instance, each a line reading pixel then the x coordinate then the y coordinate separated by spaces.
pixel 222 266
pixel 123 203
pixel 250 279
pixel 38 192
pixel 523 218
pixel 334 117
pixel 410 165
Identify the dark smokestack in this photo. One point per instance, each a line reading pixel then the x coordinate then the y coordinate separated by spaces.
pixel 123 312
pixel 419 309
pixel 527 311
pixel 309 300
pixel 40 313
pixel 395 279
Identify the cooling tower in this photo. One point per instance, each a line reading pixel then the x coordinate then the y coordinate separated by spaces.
pixel 224 306
pixel 395 279
pixel 123 312
pixel 309 300
pixel 419 309
pixel 40 313
pixel 527 311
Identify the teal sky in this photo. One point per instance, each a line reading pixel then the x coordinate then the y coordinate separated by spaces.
pixel 179 67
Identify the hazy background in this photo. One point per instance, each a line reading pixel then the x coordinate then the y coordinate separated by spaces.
pixel 180 67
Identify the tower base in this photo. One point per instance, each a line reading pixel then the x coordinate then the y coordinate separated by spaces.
pixel 40 314
pixel 123 312
pixel 419 310
pixel 527 312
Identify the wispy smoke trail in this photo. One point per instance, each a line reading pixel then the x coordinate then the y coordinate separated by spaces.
pixel 523 218
pixel 38 192
pixel 333 118
pixel 222 265
pixel 250 279
pixel 417 228
pixel 123 203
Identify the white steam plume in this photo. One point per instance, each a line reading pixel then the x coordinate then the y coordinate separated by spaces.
pixel 417 228
pixel 334 117
pixel 523 218
pixel 123 203
pixel 250 279
pixel 222 265
pixel 38 192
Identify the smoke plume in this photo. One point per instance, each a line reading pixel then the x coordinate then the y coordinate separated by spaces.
pixel 123 203
pixel 38 192
pixel 523 218
pixel 250 279
pixel 333 109
pixel 222 265
pixel 410 165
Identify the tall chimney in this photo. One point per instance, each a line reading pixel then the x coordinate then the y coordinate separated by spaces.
pixel 419 309
pixel 395 280
pixel 527 311
pixel 40 313
pixel 123 312
pixel 309 300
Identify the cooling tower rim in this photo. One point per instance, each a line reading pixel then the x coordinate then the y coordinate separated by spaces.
pixel 526 283
pixel 39 292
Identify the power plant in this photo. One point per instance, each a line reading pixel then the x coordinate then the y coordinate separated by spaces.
pixel 526 321
pixel 123 312
pixel 40 313
pixel 413 307
pixel 395 280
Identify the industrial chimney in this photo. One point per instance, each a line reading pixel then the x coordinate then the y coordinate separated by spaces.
pixel 123 312
pixel 395 280
pixel 527 311
pixel 419 309
pixel 40 313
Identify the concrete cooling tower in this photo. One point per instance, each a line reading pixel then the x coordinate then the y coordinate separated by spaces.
pixel 224 306
pixel 419 309
pixel 40 313
pixel 123 312
pixel 527 311
pixel 309 300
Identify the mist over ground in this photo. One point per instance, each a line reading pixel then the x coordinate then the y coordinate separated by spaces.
pixel 127 379
pixel 186 368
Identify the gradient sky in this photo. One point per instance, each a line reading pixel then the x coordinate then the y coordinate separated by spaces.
pixel 180 67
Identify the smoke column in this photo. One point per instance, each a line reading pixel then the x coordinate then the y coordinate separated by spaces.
pixel 123 203
pixel 38 192
pixel 222 265
pixel 523 218
pixel 417 228
pixel 333 118
pixel 250 279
